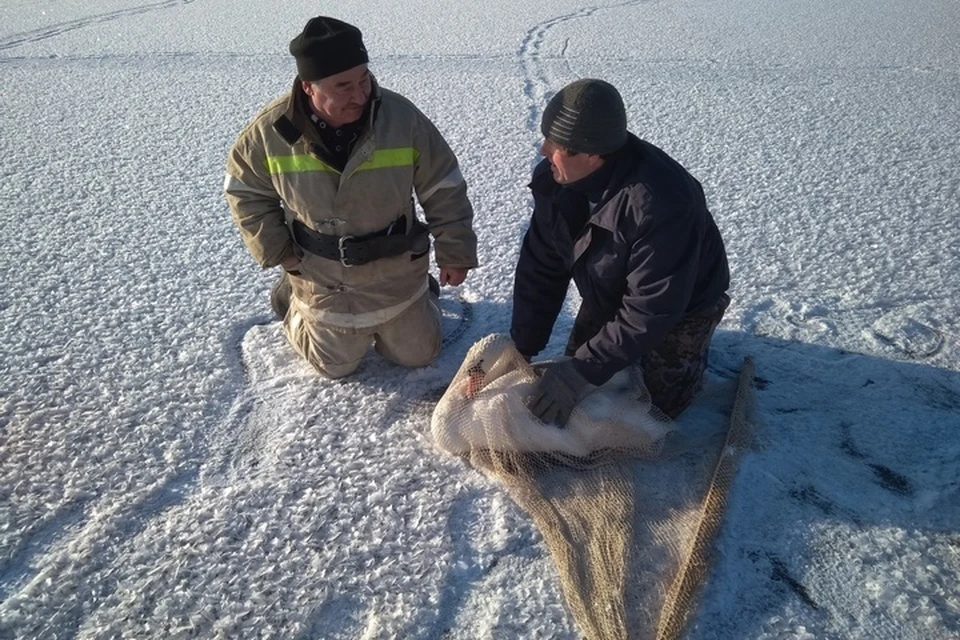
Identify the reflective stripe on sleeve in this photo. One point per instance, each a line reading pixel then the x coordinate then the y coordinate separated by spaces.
pixel 235 187
pixel 449 181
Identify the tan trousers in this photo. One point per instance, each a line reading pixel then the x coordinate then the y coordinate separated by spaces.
pixel 412 339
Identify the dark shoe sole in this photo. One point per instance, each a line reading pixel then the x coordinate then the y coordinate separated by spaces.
pixel 280 296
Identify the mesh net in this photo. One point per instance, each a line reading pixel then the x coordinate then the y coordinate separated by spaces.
pixel 627 503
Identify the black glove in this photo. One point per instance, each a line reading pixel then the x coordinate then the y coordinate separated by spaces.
pixel 559 390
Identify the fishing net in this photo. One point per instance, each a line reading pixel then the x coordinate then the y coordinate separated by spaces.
pixel 627 502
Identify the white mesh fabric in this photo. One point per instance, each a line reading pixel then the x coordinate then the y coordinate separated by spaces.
pixel 484 409
pixel 626 504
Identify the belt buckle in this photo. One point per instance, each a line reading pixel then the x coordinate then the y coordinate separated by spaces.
pixel 342 247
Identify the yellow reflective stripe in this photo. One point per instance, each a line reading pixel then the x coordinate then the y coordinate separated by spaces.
pixel 381 159
pixel 386 158
pixel 296 164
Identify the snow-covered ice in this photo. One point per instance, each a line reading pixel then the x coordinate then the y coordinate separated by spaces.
pixel 169 469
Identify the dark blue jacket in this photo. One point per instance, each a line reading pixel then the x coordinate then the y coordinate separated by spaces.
pixel 649 254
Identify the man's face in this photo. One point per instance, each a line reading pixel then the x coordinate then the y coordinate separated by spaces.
pixel 340 99
pixel 569 166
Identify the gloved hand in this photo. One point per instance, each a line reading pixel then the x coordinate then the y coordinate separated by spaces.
pixel 559 390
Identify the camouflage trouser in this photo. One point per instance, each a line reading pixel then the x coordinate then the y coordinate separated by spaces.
pixel 673 372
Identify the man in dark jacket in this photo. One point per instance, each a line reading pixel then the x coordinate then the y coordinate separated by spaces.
pixel 631 227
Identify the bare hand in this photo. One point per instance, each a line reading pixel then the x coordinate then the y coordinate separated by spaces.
pixel 452 275
pixel 290 262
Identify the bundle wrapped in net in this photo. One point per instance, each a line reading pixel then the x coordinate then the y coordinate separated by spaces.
pixel 626 502
pixel 484 411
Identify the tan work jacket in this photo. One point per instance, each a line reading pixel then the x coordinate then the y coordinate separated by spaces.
pixel 275 176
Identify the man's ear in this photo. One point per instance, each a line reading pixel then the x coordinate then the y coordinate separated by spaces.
pixel 595 160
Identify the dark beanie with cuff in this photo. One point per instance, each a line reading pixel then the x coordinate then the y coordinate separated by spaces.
pixel 326 47
pixel 586 116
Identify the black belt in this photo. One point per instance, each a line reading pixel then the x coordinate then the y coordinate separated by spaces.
pixel 351 251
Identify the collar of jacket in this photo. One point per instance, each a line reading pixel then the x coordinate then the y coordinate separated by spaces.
pixel 295 121
pixel 594 186
pixel 621 176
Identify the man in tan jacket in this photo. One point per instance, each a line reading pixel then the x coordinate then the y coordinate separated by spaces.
pixel 322 183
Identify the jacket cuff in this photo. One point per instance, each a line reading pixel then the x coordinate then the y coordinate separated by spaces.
pixel 593 372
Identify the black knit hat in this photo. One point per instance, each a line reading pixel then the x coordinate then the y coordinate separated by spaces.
pixel 327 46
pixel 586 116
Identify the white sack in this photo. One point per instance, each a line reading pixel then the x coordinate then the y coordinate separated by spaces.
pixel 484 409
